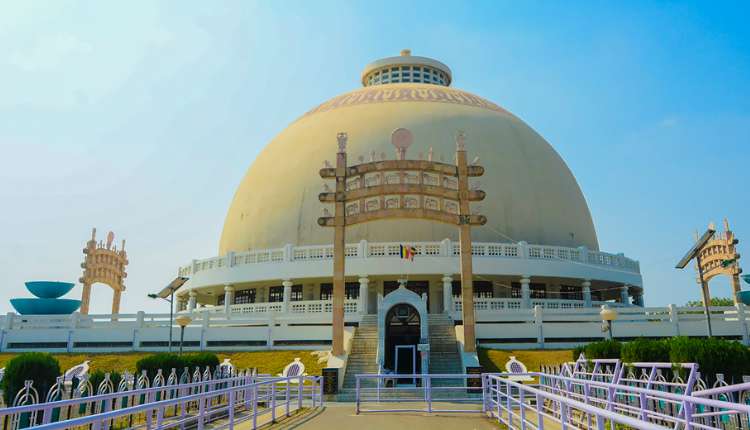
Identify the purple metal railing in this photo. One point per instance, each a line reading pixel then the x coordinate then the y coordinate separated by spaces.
pixel 520 406
pixel 654 406
pixel 235 400
pixel 434 390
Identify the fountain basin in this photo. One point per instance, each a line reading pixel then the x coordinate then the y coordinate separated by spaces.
pixel 744 297
pixel 49 289
pixel 27 306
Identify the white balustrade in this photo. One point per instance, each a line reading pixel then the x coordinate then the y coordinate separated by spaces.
pixel 392 249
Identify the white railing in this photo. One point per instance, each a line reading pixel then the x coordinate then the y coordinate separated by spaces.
pixel 301 307
pixel 444 248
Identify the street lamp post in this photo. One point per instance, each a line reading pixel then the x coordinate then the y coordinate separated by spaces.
pixel 608 315
pixel 167 294
pixel 183 321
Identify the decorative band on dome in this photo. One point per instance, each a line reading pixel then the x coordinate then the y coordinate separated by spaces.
pixel 401 93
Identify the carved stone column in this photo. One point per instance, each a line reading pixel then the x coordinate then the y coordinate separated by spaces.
pixel 363 291
pixel 228 298
pixel 447 294
pixel 525 292
pixel 624 297
pixel 586 289
pixel 193 296
pixel 287 295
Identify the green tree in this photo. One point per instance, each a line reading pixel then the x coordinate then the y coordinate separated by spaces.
pixel 715 301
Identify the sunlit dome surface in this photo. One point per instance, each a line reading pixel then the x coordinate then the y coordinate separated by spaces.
pixel 532 196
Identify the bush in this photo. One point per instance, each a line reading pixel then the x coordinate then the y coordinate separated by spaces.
pixel 166 362
pixel 578 350
pixel 603 349
pixel 42 368
pixel 163 360
pixel 645 351
pixel 97 376
pixel 200 359
pixel 713 356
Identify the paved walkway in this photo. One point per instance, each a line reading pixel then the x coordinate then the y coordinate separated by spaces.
pixel 342 416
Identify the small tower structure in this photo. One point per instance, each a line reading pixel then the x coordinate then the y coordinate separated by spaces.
pixel 103 263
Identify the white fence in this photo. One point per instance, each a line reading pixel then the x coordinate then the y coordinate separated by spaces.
pixel 307 325
pixel 445 248
pixel 542 327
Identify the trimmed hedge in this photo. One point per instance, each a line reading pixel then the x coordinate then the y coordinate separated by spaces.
pixel 40 367
pixel 713 355
pixel 603 349
pixel 97 376
pixel 167 362
pixel 646 351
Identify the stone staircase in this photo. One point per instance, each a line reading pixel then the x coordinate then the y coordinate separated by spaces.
pixel 364 349
pixel 444 357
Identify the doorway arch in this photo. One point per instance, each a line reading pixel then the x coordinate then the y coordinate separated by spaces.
pixel 402 335
pixel 402 300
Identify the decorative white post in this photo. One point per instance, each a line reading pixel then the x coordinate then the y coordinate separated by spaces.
pixel 525 292
pixel 674 318
pixel 539 323
pixel 363 283
pixel 287 295
pixel 586 286
pixel 743 323
pixel 624 297
pixel 447 294
pixel 193 296
pixel 228 298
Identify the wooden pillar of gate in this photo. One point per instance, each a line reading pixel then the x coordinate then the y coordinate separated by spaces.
pixel 339 247
pixel 464 238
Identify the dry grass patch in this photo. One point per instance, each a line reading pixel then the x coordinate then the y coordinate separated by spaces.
pixel 493 360
pixel 272 362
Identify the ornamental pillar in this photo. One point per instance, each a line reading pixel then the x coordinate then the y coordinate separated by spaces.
pixel 638 298
pixel 192 300
pixel 362 303
pixel 525 292
pixel 287 295
pixel 586 288
pixel 447 294
pixel 228 298
pixel 624 297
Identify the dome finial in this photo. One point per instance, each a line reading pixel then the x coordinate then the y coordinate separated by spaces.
pixel 406 52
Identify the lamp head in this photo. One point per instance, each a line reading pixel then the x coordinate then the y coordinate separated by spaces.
pixel 183 320
pixel 608 314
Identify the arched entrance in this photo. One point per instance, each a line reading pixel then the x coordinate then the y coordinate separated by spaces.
pixel 402 335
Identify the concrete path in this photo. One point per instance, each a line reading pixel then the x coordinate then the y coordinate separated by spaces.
pixel 342 416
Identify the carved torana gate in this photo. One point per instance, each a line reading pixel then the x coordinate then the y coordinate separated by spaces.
pixel 719 256
pixel 389 189
pixel 103 263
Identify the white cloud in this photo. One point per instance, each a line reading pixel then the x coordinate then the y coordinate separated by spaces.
pixel 50 52
pixel 669 122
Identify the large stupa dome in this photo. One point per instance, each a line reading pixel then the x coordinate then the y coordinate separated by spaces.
pixel 531 194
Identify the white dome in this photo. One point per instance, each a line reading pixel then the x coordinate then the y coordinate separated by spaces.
pixel 531 194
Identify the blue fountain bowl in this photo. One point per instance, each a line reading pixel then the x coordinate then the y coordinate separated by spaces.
pixel 45 306
pixel 744 297
pixel 49 289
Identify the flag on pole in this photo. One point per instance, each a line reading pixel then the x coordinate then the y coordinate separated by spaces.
pixel 408 252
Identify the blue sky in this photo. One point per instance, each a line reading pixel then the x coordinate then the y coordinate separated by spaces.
pixel 141 117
